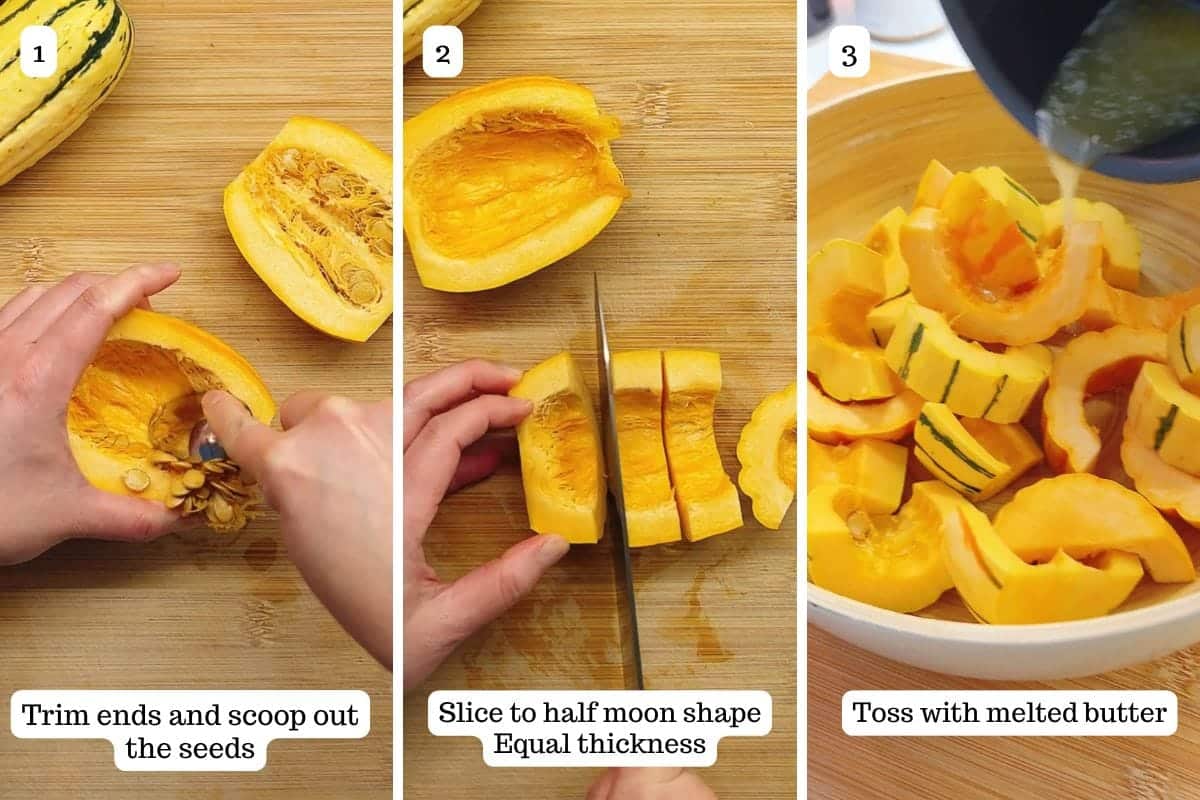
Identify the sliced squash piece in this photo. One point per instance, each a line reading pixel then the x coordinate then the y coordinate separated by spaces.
pixel 963 461
pixel 562 455
pixel 505 179
pixel 933 184
pixel 941 282
pixel 845 280
pixel 138 402
pixel 637 386
pixel 942 367
pixel 882 319
pixel 884 238
pixel 1107 306
pixel 873 468
pixel 707 499
pixel 1122 264
pixel 767 452
pixel 1170 490
pixel 1183 349
pixel 1000 588
pixel 832 422
pixel 1090 364
pixel 892 562
pixel 994 225
pixel 312 215
pixel 1083 515
pixel 1166 417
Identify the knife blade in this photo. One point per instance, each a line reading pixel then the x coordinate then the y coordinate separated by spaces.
pixel 631 650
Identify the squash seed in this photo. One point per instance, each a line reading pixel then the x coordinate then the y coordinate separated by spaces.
pixel 136 481
pixel 174 501
pixel 178 489
pixel 193 479
pixel 362 293
pixel 219 510
pixel 159 458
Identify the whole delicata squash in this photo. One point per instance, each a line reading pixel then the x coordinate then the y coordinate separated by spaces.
pixel 767 452
pixel 941 281
pixel 1090 364
pixel 131 415
pixel 562 457
pixel 420 14
pixel 95 39
pixel 506 178
pixel 313 217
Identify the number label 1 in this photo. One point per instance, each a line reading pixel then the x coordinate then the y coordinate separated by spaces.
pixel 39 51
pixel 849 51
pixel 442 51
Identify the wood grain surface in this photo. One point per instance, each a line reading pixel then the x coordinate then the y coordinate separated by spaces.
pixel 209 85
pixel 702 255
pixel 843 199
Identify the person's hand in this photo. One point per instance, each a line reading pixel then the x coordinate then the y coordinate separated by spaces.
pixel 649 783
pixel 329 474
pixel 446 415
pixel 48 336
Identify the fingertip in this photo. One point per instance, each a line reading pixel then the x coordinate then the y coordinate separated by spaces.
pixel 553 548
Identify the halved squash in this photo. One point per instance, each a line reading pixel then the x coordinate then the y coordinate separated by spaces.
pixel 832 422
pixel 1170 490
pixel 1122 264
pixel 1090 364
pixel 707 499
pixel 942 367
pixel 994 224
pixel 133 410
pixel 562 455
pixel 506 178
pixel 637 386
pixel 932 186
pixel 1166 417
pixel 873 468
pixel 941 282
pixel 1183 349
pixel 845 280
pixel 893 562
pixel 884 238
pixel 312 215
pixel 1081 515
pixel 977 464
pixel 1000 588
pixel 767 452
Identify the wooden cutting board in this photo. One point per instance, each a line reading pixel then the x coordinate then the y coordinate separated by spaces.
pixel 701 256
pixel 1001 768
pixel 209 85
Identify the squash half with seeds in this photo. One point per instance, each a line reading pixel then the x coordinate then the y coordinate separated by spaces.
pixel 313 216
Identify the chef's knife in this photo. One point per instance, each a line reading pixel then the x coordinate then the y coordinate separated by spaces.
pixel 631 651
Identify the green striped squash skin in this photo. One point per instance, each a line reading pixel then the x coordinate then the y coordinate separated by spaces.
pixel 914 346
pixel 95 40
pixel 983 474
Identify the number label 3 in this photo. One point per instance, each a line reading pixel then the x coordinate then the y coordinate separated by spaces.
pixel 442 51
pixel 849 51
pixel 39 51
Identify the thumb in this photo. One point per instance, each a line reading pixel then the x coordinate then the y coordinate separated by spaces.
pixel 122 519
pixel 244 438
pixel 481 596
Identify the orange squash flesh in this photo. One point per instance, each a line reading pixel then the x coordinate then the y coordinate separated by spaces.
pixel 832 422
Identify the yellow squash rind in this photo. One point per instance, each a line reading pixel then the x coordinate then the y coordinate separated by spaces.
pixel 767 452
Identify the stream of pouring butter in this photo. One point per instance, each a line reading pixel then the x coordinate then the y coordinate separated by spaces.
pixel 1131 80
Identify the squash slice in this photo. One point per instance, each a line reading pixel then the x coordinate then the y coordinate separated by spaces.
pixel 1000 588
pixel 884 238
pixel 1081 515
pixel 1183 349
pixel 767 452
pixel 873 468
pixel 883 318
pixel 1166 417
pixel 932 186
pixel 977 463
pixel 1090 364
pixel 845 280
pixel 637 386
pixel 1170 490
pixel 1122 264
pixel 995 224
pixel 562 455
pixel 939 281
pixel 892 562
pixel 1106 306
pixel 312 215
pixel 506 178
pixel 137 403
pixel 942 367
pixel 707 499
pixel 832 422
